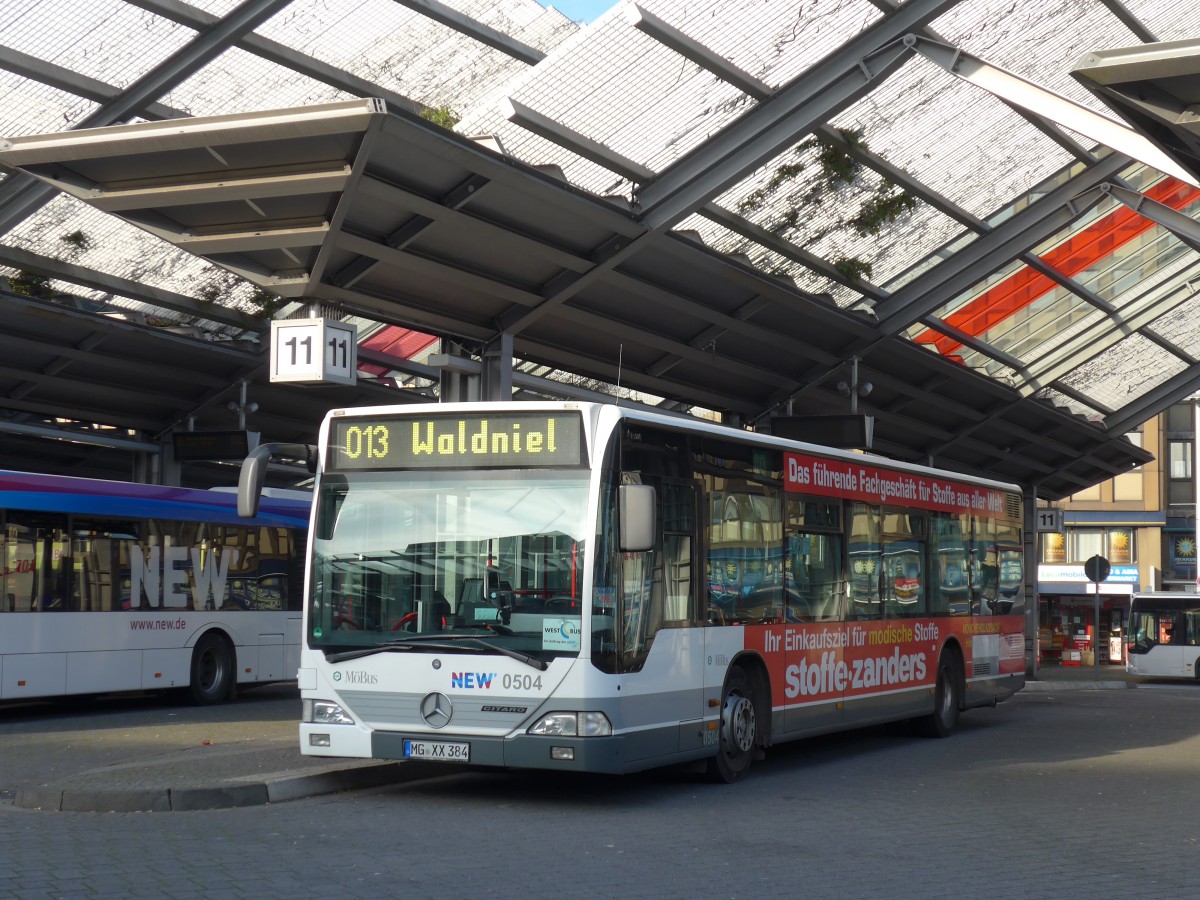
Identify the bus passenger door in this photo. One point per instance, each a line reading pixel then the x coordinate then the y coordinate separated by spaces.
pixel 814 645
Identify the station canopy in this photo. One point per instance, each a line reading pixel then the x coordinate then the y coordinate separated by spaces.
pixel 933 213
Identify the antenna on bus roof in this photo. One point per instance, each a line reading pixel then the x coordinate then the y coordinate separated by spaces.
pixel 620 357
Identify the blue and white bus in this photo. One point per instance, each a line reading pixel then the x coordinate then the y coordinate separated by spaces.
pixel 109 586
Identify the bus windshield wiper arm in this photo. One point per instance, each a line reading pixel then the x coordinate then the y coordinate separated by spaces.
pixel 438 642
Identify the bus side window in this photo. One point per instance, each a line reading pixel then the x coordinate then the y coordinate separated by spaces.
pixel 1166 629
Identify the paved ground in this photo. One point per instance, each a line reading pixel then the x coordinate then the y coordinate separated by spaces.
pixel 146 754
pixel 1064 792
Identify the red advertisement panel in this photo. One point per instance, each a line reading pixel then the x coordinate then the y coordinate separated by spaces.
pixel 814 663
pixel 871 484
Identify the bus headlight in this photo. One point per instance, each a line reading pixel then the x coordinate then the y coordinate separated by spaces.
pixel 323 712
pixel 573 724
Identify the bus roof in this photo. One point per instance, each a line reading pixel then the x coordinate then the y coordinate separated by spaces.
pixel 667 420
pixel 83 496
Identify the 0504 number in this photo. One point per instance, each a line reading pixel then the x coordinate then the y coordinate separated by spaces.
pixel 522 682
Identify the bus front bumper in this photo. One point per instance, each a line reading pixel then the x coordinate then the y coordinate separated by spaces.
pixel 570 754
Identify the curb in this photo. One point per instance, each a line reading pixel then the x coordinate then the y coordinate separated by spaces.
pixel 224 796
pixel 1038 686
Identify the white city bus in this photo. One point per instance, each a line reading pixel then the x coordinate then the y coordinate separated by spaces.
pixel 107 586
pixel 1164 635
pixel 585 587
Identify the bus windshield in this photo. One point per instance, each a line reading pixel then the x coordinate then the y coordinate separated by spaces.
pixel 402 557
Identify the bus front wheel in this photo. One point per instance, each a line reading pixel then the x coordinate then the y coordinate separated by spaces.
pixel 738 733
pixel 213 679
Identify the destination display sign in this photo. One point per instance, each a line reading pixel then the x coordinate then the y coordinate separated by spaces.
pixel 455 441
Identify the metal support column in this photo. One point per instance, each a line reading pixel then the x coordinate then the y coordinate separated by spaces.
pixel 1029 542
pixel 497 369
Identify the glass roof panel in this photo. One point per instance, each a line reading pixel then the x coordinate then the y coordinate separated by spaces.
pixel 596 84
pixel 774 42
pixel 144 258
pixel 620 87
pixel 957 139
pixel 27 107
pixel 395 46
pixel 1125 372
pixel 1111 251
pixel 1179 326
pixel 1167 21
pixel 243 81
pixel 109 40
pixel 1079 407
pixel 986 29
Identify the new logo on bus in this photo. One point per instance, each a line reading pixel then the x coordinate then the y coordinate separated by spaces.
pixel 161 578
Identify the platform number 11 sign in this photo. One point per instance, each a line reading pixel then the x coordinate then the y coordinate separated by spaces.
pixel 314 351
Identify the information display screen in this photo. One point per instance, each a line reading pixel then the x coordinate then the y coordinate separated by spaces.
pixel 455 441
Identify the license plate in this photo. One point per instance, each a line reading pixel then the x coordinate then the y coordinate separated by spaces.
pixel 437 751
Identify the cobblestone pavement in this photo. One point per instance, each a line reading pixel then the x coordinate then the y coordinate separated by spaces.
pixel 1058 793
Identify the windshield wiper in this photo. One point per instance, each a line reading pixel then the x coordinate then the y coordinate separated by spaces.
pixel 438 642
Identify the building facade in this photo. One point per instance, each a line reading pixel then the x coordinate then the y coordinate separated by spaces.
pixel 1143 523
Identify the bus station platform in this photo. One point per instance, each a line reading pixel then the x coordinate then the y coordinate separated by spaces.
pixel 1056 677
pixel 150 756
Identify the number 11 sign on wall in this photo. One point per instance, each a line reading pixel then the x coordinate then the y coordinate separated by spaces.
pixel 314 351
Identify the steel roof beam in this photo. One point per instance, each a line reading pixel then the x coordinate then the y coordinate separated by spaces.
pixel 1183 227
pixel 670 36
pixel 1054 211
pixel 456 21
pixel 86 387
pixel 761 134
pixel 1130 21
pixel 1042 102
pixel 72 82
pixel 76 410
pixel 331 179
pixel 131 290
pixel 20 195
pixel 79 436
pixel 753 232
pixel 1105 333
pixel 280 54
pixel 585 147
pixel 796 109
pixel 1178 387
pixel 85 353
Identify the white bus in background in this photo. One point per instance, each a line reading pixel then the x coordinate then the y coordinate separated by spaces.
pixel 108 586
pixel 584 587
pixel 1164 635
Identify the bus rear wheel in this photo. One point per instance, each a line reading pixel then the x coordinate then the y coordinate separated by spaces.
pixel 213 680
pixel 941 722
pixel 738 733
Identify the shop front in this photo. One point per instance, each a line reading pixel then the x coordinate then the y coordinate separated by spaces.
pixel 1067 602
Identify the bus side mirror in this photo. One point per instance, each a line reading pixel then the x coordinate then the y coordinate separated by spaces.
pixel 637 517
pixel 254 472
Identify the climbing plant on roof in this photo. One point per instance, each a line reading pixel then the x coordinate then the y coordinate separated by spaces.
pixel 853 268
pixel 77 239
pixel 441 115
pixel 264 304
pixel 837 165
pixel 30 284
pixel 883 207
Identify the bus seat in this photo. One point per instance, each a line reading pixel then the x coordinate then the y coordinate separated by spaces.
pixel 470 594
